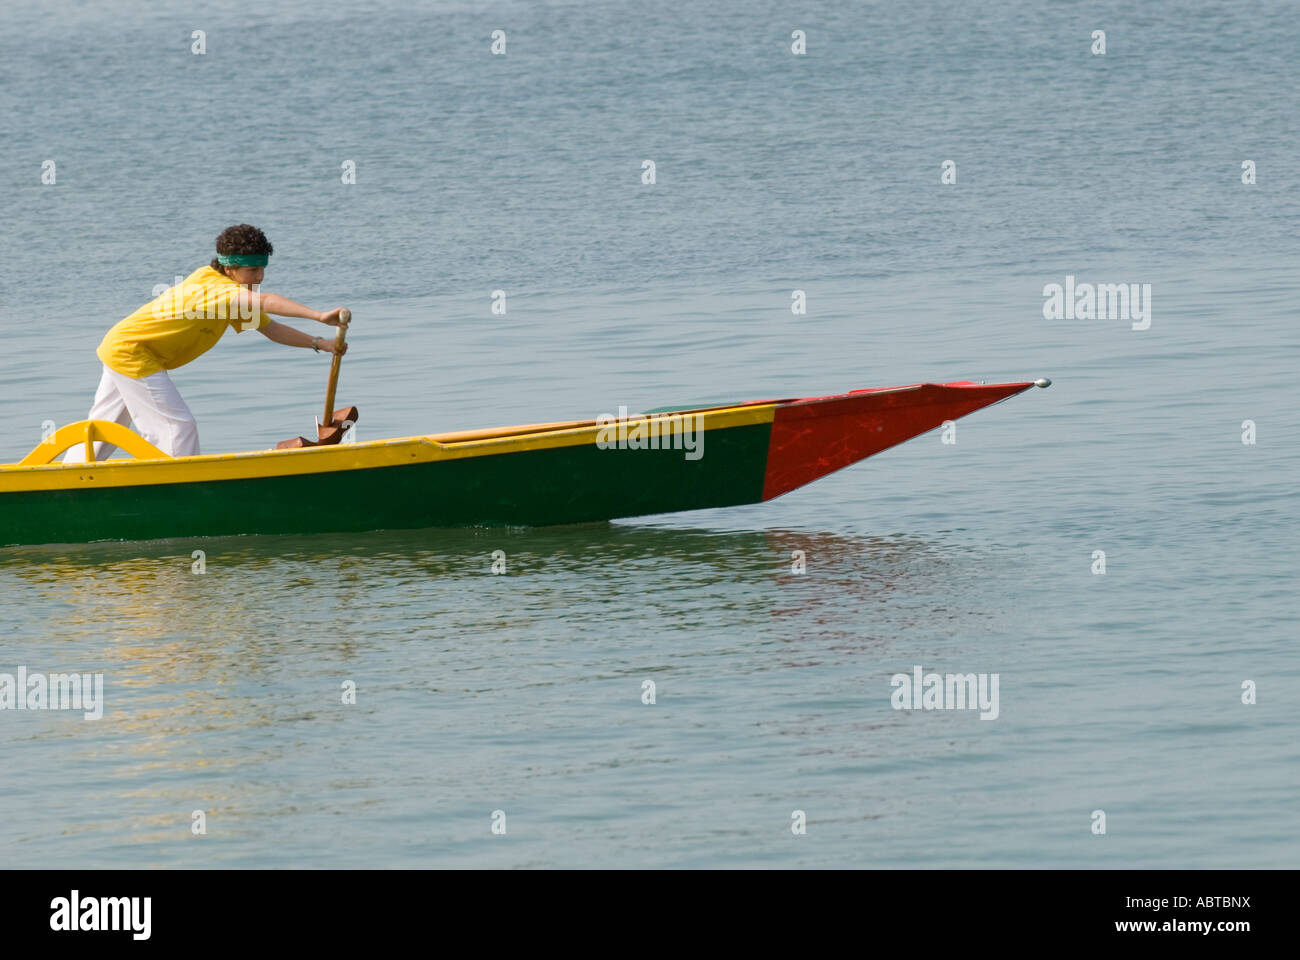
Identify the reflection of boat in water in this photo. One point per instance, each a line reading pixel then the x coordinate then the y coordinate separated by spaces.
pixel 223 690
pixel 537 475
pixel 172 625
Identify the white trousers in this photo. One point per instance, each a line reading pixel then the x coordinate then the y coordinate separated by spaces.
pixel 156 407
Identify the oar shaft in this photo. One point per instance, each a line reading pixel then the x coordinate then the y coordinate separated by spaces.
pixel 345 317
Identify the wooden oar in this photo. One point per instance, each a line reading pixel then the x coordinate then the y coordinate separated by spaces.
pixel 330 430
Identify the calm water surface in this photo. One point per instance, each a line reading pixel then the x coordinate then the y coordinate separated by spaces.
pixel 522 692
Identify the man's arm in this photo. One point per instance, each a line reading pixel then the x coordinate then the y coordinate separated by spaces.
pixel 279 333
pixel 253 302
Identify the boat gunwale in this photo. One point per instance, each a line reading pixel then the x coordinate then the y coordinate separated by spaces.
pixel 336 458
pixel 457 439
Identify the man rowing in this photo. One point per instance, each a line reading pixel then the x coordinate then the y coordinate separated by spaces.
pixel 182 324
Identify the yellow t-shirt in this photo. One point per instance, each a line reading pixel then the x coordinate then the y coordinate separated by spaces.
pixel 183 323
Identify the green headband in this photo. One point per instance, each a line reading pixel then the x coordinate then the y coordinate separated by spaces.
pixel 242 259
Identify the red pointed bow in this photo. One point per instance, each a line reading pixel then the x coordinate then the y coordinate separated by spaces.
pixel 816 436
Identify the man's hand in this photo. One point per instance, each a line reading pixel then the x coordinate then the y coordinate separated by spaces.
pixel 331 319
pixel 333 346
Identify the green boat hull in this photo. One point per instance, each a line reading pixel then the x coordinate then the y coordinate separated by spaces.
pixel 564 485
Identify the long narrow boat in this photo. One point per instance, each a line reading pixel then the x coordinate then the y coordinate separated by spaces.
pixel 547 473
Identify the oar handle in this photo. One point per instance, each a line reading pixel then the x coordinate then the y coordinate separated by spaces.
pixel 345 317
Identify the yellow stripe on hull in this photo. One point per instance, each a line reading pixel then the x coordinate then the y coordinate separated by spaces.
pixel 356 456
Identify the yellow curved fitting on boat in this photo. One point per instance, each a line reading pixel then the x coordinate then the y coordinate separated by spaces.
pixel 87 432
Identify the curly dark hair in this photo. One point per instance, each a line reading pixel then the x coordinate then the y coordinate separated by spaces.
pixel 241 238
